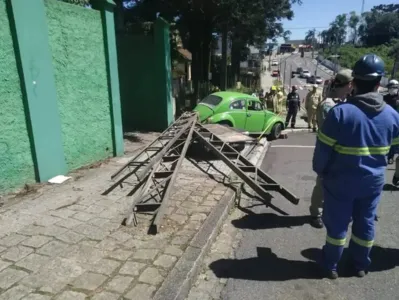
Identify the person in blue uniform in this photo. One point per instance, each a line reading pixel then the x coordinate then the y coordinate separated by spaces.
pixel 351 157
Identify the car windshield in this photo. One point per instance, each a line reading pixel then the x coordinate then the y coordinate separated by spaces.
pixel 305 71
pixel 212 100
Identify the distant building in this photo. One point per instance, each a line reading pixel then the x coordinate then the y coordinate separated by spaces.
pixel 296 43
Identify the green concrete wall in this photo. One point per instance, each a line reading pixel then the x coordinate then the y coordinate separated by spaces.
pixel 16 162
pixel 145 79
pixel 77 45
pixel 136 81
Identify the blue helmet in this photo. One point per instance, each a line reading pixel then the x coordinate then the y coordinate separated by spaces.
pixel 369 67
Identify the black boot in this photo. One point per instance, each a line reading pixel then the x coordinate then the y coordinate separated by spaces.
pixel 314 130
pixel 395 180
pixel 317 222
pixel 353 271
pixel 331 274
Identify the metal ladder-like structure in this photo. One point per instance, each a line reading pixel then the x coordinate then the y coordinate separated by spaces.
pixel 156 168
pixel 254 177
pixel 139 166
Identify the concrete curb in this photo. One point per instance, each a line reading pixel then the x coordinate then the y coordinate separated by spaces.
pixel 296 130
pixel 180 279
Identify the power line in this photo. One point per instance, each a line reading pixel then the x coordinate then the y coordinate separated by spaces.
pixel 301 28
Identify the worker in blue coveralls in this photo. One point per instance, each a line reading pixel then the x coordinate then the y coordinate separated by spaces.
pixel 351 158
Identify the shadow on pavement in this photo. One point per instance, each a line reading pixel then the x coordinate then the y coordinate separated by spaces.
pixel 267 266
pixel 383 259
pixel 390 188
pixel 266 202
pixel 268 221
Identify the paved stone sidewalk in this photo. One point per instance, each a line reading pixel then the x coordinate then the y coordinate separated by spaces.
pixel 208 286
pixel 67 241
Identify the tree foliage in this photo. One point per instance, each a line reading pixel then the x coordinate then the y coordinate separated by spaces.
pixel 310 37
pixel 198 21
pixel 376 31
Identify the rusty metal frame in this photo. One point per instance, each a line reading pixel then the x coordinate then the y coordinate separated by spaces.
pixel 142 163
pixel 160 181
pixel 157 174
pixel 254 177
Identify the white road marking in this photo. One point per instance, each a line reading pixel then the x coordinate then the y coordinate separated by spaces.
pixel 291 146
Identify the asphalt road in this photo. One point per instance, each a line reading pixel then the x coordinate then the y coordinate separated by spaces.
pixel 295 61
pixel 275 259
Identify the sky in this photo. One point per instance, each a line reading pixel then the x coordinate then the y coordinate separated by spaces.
pixel 319 14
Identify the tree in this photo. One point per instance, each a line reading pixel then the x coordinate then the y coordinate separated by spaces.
pixel 197 20
pixel 381 25
pixel 338 29
pixel 310 37
pixel 353 24
pixel 286 35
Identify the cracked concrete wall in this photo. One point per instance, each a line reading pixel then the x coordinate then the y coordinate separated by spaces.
pixel 16 162
pixel 77 45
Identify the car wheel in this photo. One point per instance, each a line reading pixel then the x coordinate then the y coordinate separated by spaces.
pixel 276 131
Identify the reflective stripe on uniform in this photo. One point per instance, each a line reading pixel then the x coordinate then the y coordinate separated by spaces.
pixel 359 151
pixel 395 141
pixel 335 242
pixel 362 151
pixel 363 243
pixel 325 139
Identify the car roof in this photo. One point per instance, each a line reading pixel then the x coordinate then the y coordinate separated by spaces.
pixel 233 95
pixel 304 70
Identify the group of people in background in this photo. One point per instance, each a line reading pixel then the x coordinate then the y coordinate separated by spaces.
pixel 273 98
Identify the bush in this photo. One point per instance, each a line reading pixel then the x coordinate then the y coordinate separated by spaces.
pixel 349 54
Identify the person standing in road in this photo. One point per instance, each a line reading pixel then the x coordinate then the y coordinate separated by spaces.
pixel 270 97
pixel 350 158
pixel 313 98
pixel 340 87
pixel 279 100
pixel 293 106
pixel 392 98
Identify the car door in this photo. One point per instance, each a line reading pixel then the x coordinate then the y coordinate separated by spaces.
pixel 255 116
pixel 237 110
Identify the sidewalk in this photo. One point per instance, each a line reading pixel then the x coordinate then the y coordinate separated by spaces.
pixel 67 242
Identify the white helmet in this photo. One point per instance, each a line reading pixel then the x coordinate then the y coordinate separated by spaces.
pixel 393 87
pixel 393 83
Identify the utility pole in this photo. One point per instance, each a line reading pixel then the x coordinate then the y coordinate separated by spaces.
pixel 223 73
pixel 285 66
pixel 313 43
pixel 290 75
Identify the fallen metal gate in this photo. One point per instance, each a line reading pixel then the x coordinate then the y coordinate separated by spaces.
pixel 156 173
pixel 142 163
pixel 254 177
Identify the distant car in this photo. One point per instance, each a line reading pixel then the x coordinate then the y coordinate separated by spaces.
pixel 240 111
pixel 274 62
pixel 305 74
pixel 314 79
pixel 275 73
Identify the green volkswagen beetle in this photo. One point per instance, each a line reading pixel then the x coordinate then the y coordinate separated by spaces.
pixel 240 111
